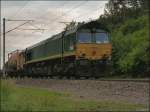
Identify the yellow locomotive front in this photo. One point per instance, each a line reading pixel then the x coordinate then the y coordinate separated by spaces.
pixel 93 45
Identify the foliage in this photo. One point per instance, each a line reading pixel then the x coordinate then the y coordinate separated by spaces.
pixel 118 11
pixel 130 46
pixel 128 21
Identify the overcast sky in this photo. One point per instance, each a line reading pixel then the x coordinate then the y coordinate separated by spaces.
pixel 46 15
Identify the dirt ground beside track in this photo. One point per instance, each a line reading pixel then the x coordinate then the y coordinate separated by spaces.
pixel 126 91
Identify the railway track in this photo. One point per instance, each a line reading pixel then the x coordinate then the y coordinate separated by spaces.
pixel 131 80
pixel 147 80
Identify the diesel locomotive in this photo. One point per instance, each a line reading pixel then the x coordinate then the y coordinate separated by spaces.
pixel 84 50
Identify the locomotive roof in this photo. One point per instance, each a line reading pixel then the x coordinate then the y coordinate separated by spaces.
pixel 59 35
pixel 90 25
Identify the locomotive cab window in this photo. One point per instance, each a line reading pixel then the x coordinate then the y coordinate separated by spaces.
pixel 84 37
pixel 101 37
pixel 87 36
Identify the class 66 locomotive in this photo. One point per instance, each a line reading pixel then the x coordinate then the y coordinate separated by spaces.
pixel 83 50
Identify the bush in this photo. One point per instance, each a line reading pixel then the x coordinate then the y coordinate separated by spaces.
pixel 130 46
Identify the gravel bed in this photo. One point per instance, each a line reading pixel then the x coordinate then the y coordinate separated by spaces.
pixel 126 91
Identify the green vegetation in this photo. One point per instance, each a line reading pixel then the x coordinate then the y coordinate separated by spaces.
pixel 130 46
pixel 128 23
pixel 15 98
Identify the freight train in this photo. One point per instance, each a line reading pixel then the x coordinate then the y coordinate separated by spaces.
pixel 83 50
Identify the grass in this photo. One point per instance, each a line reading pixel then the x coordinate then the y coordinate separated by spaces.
pixel 14 98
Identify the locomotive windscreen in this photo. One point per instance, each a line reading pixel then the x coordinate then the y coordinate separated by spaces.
pixel 101 38
pixel 85 37
pixel 93 37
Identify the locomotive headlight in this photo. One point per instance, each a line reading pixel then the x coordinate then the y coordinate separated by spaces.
pixel 83 54
pixel 94 53
pixel 109 58
pixel 71 47
pixel 105 56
